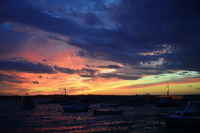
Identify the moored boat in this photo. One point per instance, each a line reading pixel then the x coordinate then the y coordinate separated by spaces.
pixel 27 102
pixel 166 102
pixel 188 117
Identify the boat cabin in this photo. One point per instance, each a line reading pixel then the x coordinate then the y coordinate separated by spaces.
pixel 193 106
pixel 192 110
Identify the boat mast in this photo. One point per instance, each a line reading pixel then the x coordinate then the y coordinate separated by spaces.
pixel 167 90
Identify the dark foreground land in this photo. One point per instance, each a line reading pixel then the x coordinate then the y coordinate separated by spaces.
pixel 143 99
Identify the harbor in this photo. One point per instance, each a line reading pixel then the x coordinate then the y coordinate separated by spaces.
pixel 50 117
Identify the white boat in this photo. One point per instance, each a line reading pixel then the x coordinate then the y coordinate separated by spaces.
pixel 188 117
pixel 27 102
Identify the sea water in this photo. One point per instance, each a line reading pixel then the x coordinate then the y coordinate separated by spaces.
pixel 51 118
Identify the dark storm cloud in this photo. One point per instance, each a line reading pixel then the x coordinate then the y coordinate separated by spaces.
pixel 92 19
pixel 9 39
pixel 64 70
pixel 18 59
pixel 81 72
pixel 90 73
pixel 145 27
pixel 86 72
pixel 12 78
pixel 25 14
pixel 35 82
pixel 111 66
pixel 56 38
pixel 184 59
pixel 120 31
pixel 152 23
pixel 25 66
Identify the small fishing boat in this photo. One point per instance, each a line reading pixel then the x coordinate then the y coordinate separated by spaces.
pixel 27 102
pixel 166 102
pixel 188 117
pixel 107 112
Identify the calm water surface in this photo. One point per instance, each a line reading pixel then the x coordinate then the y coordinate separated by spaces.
pixel 51 118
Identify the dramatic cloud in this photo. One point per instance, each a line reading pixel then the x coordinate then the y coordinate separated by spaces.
pixel 92 19
pixel 54 41
pixel 86 72
pixel 137 27
pixel 25 66
pixel 12 78
pixel 64 70
pixel 111 66
pixel 35 82
pixel 82 72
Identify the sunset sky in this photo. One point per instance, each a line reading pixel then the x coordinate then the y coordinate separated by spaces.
pixel 111 47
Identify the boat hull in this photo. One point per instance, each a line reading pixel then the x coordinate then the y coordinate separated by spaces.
pixel 170 121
